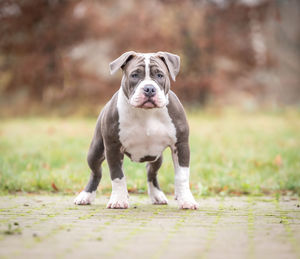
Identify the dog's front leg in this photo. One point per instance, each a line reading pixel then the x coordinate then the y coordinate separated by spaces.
pixel 183 194
pixel 119 194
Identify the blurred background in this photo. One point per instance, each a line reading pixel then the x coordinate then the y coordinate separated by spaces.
pixel 54 54
pixel 239 82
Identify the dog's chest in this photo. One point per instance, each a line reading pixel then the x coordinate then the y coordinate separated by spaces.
pixel 144 134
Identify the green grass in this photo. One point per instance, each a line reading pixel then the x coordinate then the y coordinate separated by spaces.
pixel 231 153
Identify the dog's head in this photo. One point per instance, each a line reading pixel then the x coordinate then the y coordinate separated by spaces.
pixel 145 81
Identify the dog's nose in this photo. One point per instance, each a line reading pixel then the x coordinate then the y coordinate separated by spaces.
pixel 149 90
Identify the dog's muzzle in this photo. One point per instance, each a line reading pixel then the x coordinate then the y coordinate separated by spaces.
pixel 149 91
pixel 148 95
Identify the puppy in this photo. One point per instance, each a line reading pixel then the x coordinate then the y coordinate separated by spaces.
pixel 142 119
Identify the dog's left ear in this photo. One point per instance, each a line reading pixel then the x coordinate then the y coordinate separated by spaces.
pixel 172 62
pixel 121 61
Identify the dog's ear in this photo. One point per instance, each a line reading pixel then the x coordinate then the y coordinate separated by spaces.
pixel 172 62
pixel 121 61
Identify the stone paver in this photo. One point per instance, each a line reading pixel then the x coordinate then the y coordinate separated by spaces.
pixel 34 226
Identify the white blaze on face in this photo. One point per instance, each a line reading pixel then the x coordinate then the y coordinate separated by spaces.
pixel 147 66
pixel 138 98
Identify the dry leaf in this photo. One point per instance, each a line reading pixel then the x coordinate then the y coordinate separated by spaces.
pixel 54 187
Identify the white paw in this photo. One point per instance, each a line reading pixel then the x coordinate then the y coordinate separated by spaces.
pixel 156 195
pixel 85 198
pixel 187 201
pixel 119 195
pixel 118 202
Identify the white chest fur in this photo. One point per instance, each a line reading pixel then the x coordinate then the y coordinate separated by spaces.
pixel 144 132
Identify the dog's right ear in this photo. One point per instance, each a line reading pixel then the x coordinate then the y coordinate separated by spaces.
pixel 121 61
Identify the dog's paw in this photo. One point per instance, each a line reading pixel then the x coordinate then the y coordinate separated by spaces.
pixel 118 201
pixel 156 195
pixel 187 201
pixel 159 198
pixel 85 198
pixel 188 205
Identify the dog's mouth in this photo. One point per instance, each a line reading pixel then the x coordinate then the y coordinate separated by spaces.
pixel 148 104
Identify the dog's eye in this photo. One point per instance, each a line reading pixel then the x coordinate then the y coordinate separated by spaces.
pixel 159 75
pixel 134 75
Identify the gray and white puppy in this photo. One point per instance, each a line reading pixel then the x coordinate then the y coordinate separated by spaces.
pixel 141 120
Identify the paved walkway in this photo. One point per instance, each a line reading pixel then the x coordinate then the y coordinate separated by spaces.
pixel 52 227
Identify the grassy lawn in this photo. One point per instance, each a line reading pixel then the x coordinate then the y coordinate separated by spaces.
pixel 231 153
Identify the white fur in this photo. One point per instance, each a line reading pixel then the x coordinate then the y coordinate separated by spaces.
pixel 147 64
pixel 144 132
pixel 119 195
pixel 183 194
pixel 156 195
pixel 85 198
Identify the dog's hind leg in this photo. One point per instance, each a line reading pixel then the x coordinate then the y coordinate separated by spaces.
pixel 155 194
pixel 94 159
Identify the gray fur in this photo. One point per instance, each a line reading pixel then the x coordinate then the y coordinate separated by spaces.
pixel 106 135
pixel 178 117
pixel 152 170
pixel 120 61
pixel 172 61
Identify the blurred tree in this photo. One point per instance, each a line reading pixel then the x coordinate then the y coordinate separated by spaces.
pixel 34 34
pixel 61 49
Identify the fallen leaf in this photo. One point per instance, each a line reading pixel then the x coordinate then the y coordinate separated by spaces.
pixel 54 187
